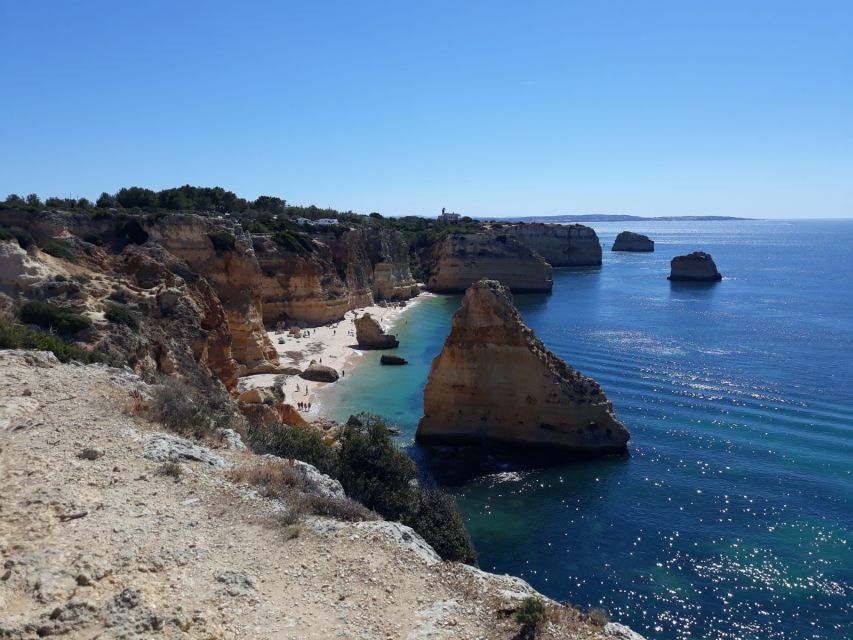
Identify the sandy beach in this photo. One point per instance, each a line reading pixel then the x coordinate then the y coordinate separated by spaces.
pixel 333 345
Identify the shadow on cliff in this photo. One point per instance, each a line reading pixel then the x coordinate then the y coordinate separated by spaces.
pixel 451 466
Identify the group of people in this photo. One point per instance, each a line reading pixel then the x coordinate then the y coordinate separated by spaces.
pixel 304 406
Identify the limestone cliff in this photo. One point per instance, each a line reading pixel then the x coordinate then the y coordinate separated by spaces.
pixel 302 287
pixel 494 381
pixel 630 241
pixel 562 245
pixel 235 276
pixel 694 267
pixel 460 260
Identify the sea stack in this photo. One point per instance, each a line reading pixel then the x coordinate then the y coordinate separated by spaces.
pixel 694 267
pixel 494 381
pixel 630 241
pixel 370 335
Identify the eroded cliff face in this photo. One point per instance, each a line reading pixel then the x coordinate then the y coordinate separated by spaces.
pixel 460 260
pixel 374 264
pixel 694 267
pixel 562 245
pixel 234 274
pixel 630 241
pixel 494 381
pixel 302 287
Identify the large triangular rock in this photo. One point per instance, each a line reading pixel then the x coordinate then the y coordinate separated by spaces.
pixel 495 381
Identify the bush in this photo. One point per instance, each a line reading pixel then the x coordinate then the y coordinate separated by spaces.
pixel 300 443
pixel 294 242
pixel 119 314
pixel 340 509
pixel 16 336
pixel 222 240
pixel 6 235
pixel 598 616
pixel 60 249
pixel 183 409
pixel 25 240
pixel 437 519
pixel 375 472
pixel 530 615
pixel 274 478
pixel 48 316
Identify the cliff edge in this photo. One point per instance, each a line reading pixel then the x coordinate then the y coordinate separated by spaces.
pixel 495 381
pixel 562 245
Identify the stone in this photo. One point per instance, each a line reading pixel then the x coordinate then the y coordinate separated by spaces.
pixel 392 360
pixel 370 335
pixel 621 632
pixel 257 395
pixel 162 448
pixel 562 245
pixel 168 299
pixel 318 483
pixel 630 241
pixel 494 381
pixel 694 267
pixel 319 373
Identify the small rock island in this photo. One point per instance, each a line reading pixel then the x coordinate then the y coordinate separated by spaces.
pixel 494 381
pixel 630 241
pixel 694 267
pixel 370 335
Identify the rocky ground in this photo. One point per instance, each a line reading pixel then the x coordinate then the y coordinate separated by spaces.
pixel 100 538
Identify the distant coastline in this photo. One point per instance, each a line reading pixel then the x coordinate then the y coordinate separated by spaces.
pixel 595 217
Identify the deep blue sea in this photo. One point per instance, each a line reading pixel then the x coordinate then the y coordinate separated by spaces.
pixel 732 514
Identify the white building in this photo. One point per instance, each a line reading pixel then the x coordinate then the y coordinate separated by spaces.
pixel 447 216
pixel 323 222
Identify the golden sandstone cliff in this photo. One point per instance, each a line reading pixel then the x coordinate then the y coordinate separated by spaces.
pixel 460 260
pixel 562 245
pixel 494 381
pixel 202 290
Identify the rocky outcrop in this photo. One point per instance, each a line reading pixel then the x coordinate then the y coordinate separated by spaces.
pixel 392 360
pixel 562 245
pixel 370 335
pixel 18 271
pixel 494 381
pixel 694 267
pixel 630 241
pixel 460 260
pixel 319 373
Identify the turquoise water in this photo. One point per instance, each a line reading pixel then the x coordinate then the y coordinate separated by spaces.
pixel 731 516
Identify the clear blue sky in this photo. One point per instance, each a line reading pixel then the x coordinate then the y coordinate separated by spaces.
pixel 487 108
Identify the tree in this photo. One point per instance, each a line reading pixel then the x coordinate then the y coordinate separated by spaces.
pixel 33 200
pixel 83 203
pixel 54 202
pixel 270 204
pixel 129 197
pixel 105 201
pixel 14 199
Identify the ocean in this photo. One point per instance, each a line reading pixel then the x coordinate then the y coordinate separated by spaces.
pixel 731 515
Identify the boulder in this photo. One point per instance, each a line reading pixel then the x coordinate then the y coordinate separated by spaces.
pixel 319 373
pixel 370 335
pixel 163 448
pixel 392 360
pixel 694 267
pixel 258 395
pixel 494 381
pixel 630 241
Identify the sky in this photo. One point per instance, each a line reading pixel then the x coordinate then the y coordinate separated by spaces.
pixel 491 108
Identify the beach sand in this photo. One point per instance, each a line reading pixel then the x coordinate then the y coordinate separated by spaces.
pixel 333 345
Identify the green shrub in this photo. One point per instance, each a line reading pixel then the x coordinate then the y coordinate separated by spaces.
pixel 58 320
pixel 340 509
pixel 119 314
pixel 300 443
pixel 25 240
pixel 294 242
pixel 530 615
pixel 437 519
pixel 16 336
pixel 6 235
pixel 375 472
pixel 222 240
pixel 60 249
